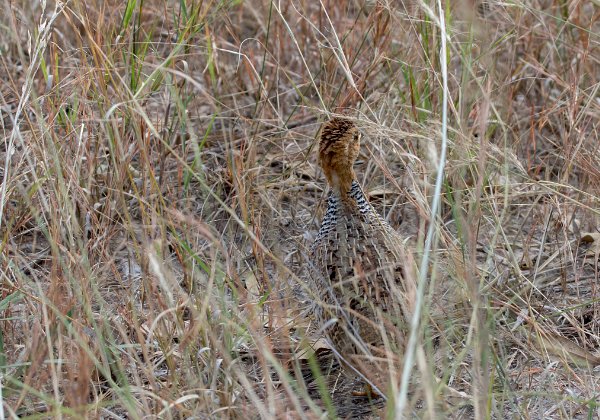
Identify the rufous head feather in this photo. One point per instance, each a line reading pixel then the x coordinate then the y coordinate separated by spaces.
pixel 339 145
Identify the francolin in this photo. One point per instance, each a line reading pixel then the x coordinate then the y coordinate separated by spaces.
pixel 363 278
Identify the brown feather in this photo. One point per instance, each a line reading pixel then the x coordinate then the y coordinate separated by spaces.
pixel 338 149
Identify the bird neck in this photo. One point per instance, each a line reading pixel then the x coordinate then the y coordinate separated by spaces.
pixel 353 202
pixel 354 198
pixel 340 179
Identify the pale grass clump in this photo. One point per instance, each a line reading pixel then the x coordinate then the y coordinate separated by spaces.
pixel 160 192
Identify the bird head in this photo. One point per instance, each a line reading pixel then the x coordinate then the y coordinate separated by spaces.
pixel 339 145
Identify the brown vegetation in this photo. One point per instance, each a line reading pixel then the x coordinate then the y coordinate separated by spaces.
pixel 160 192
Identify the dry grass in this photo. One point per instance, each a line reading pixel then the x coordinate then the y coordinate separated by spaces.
pixel 160 191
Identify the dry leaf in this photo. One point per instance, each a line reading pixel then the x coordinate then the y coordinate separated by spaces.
pixel 593 239
pixel 252 285
pixel 577 354
pixel 315 348
pixel 563 348
pixel 380 192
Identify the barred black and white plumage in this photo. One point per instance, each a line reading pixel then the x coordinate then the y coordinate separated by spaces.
pixel 333 209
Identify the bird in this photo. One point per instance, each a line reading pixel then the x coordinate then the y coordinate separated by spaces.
pixel 362 274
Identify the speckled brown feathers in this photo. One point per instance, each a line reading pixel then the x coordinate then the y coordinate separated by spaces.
pixel 338 149
pixel 360 266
